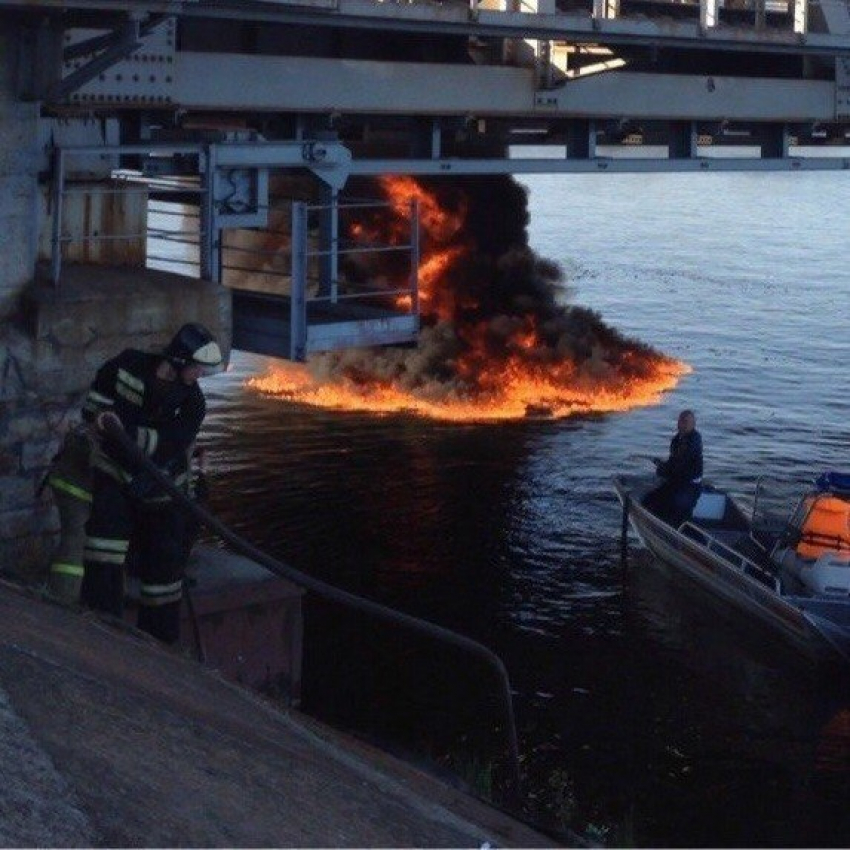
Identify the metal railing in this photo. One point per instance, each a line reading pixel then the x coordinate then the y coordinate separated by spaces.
pixel 731 556
pixel 487 656
pixel 313 274
pixel 122 182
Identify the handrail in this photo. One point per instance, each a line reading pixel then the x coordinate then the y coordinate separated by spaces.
pixel 715 545
pixel 115 432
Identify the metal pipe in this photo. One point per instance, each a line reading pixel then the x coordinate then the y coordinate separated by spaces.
pixel 298 277
pixel 415 252
pixel 193 617
pixel 343 597
pixel 163 258
pixel 209 259
pixel 56 230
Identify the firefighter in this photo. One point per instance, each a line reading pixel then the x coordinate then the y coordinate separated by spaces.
pixel 157 400
pixel 69 479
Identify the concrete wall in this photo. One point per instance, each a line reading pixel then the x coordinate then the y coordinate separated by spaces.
pixel 28 425
pixel 18 185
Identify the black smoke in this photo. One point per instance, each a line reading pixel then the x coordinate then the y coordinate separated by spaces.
pixel 495 292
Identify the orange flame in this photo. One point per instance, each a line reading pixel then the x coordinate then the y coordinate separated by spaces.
pixel 518 396
pixel 505 366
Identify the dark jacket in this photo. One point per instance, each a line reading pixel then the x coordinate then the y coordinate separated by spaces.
pixel 685 462
pixel 163 417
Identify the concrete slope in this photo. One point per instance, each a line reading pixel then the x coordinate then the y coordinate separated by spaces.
pixel 108 739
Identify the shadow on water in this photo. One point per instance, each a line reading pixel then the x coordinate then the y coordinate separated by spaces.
pixel 716 733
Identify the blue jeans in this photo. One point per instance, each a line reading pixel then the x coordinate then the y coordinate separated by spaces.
pixel 673 502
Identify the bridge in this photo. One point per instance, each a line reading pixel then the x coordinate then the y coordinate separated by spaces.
pixel 446 86
pixel 216 100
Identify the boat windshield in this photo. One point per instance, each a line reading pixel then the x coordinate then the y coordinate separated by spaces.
pixel 775 503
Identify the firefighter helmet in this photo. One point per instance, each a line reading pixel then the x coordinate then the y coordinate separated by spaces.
pixel 193 345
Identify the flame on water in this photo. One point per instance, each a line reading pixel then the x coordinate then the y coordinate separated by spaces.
pixel 519 396
pixel 474 365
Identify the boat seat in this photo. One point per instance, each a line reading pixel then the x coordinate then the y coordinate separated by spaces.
pixel 710 506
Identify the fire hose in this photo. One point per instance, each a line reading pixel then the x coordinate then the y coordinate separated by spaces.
pixel 116 433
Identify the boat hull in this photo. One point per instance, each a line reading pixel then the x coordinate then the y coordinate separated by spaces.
pixel 802 622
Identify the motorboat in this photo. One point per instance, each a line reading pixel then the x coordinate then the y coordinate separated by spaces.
pixel 785 563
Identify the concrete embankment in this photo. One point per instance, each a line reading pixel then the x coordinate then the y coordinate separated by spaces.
pixel 108 739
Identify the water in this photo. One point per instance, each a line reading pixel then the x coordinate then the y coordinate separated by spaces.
pixel 645 715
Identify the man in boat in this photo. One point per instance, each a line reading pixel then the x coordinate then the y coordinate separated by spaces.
pixel 156 399
pixel 674 499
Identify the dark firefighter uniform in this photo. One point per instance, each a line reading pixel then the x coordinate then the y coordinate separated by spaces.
pixel 69 478
pixel 162 415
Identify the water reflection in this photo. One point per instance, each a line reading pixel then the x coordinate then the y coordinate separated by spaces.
pixel 644 714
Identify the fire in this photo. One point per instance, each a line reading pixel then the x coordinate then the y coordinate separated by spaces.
pixel 496 342
pixel 519 396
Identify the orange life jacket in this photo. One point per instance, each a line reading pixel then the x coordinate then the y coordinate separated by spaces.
pixel 826 526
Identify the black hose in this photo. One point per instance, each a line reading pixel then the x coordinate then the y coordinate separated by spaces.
pixel 193 617
pixel 115 432
pixel 624 534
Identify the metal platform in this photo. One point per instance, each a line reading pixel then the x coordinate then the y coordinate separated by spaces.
pixel 262 324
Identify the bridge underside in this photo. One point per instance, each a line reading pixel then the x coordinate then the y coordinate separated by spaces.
pixel 336 89
pixel 437 82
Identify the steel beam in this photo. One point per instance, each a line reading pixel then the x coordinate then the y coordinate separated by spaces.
pixel 840 161
pixel 289 84
pixel 327 160
pixel 456 19
pixel 120 44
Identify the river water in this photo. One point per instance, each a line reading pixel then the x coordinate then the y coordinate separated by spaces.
pixel 646 716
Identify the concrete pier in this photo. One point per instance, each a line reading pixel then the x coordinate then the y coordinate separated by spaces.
pixel 240 620
pixel 108 739
pixel 48 358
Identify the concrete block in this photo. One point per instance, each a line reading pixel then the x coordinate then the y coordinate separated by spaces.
pixel 26 423
pixel 17 373
pixel 37 454
pixel 17 207
pixel 17 194
pixel 27 558
pixel 60 380
pixel 47 366
pixel 250 621
pixel 39 518
pixel 68 333
pixel 138 308
pixel 18 155
pixel 16 492
pixel 10 460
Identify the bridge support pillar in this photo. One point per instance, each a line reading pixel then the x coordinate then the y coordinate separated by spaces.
pixel 682 140
pixel 775 141
pixel 581 139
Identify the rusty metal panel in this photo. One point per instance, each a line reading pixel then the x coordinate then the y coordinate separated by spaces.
pixel 105 223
